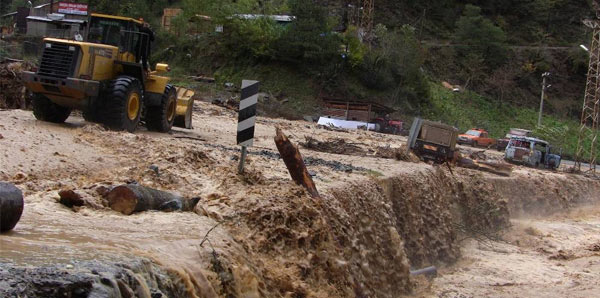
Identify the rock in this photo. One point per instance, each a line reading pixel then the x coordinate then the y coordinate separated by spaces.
pixel 308 118
pixel 11 206
pixel 70 198
pixel 154 168
pixel 102 190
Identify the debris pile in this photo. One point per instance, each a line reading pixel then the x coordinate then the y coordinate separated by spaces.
pixel 13 91
pixel 479 161
pixel 478 155
pixel 341 146
pixel 396 153
pixel 336 146
pixel 231 103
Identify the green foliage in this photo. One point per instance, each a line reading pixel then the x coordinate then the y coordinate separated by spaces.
pixel 309 39
pixel 256 39
pixel 16 4
pixel 480 37
pixel 395 63
pixel 578 61
pixel 356 50
pixel 467 110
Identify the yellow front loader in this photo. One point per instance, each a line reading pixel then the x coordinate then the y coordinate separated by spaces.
pixel 107 77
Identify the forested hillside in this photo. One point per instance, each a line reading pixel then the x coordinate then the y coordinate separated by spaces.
pixel 495 50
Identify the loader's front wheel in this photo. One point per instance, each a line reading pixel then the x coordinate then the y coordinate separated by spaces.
pixel 123 104
pixel 161 118
pixel 46 110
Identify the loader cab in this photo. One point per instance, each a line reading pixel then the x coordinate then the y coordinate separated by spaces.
pixel 120 32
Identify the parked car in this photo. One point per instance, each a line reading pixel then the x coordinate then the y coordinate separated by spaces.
pixel 514 132
pixel 531 152
pixel 432 140
pixel 476 137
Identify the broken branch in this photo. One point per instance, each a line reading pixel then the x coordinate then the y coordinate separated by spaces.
pixel 294 163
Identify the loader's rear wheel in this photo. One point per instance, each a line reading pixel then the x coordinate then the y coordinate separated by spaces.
pixel 161 118
pixel 123 104
pixel 46 110
pixel 185 121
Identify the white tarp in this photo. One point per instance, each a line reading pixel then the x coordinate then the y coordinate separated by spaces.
pixel 345 123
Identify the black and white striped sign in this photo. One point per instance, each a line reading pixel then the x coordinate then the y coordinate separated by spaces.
pixel 247 116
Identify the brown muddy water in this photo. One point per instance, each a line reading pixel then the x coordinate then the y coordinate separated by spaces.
pixel 251 235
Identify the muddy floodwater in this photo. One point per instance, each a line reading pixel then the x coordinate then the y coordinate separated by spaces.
pixel 259 235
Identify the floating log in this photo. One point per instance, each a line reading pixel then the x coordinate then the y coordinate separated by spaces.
pixel 131 198
pixel 11 206
pixel 294 163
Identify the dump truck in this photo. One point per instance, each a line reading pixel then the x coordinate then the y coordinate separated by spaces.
pixel 433 141
pixel 104 75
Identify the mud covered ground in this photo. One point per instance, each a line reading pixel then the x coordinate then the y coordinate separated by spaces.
pixel 257 234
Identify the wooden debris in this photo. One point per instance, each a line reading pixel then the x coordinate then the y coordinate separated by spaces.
pixel 102 190
pixel 11 206
pixel 202 79
pixel 13 90
pixel 131 198
pixel 230 103
pixel 494 167
pixel 334 145
pixel 396 153
pixel 294 163
pixel 70 198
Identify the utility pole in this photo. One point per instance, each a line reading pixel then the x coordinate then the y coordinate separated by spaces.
pixel 544 87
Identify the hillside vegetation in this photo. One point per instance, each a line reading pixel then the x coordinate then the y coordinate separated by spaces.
pixel 495 50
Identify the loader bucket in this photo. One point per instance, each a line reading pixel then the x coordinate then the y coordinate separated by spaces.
pixel 185 105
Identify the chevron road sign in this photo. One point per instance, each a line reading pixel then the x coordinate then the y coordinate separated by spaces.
pixel 247 118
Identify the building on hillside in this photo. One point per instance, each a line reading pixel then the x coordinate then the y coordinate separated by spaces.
pixel 168 15
pixel 280 19
pixel 354 110
pixel 57 19
pixel 200 24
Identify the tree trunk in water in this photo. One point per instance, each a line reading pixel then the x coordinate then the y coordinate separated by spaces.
pixel 294 163
pixel 131 198
pixel 11 206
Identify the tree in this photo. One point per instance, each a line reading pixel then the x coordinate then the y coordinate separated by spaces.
pixel 395 62
pixel 309 38
pixel 478 35
pixel 502 81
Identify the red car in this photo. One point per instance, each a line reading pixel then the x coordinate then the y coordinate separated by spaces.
pixel 476 137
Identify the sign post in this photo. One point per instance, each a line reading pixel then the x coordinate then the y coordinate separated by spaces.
pixel 247 118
